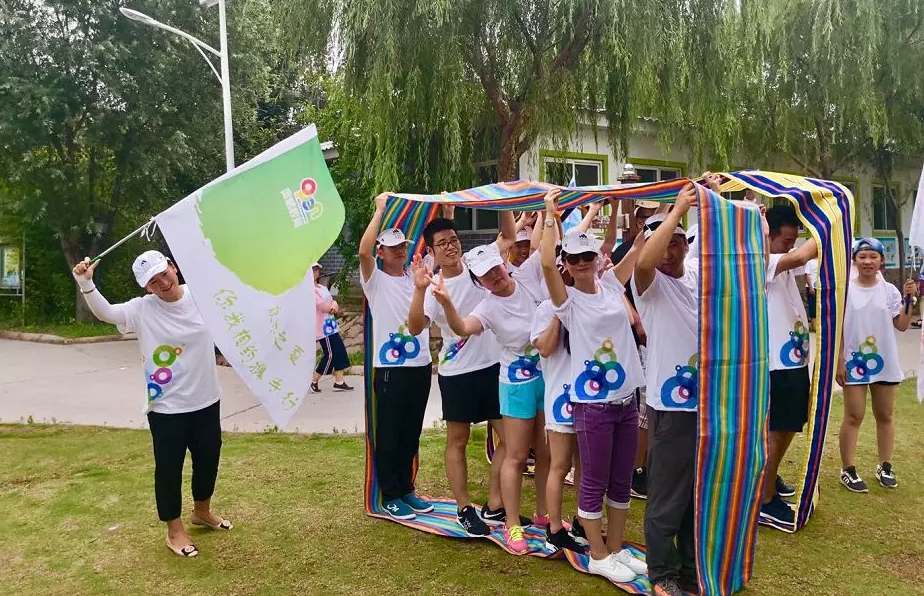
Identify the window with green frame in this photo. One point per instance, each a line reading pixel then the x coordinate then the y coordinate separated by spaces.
pixel 885 217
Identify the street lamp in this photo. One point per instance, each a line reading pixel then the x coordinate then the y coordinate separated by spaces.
pixel 200 45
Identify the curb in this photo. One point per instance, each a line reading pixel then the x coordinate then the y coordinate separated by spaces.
pixel 45 338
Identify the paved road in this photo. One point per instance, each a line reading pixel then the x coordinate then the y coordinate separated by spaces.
pixel 102 384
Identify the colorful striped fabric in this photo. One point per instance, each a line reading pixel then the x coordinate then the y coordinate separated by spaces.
pixel 734 396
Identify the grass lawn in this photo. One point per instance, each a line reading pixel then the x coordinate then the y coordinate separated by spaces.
pixel 77 517
pixel 68 330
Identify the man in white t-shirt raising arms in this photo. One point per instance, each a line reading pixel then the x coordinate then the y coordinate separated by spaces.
pixel 789 351
pixel 468 366
pixel 182 405
pixel 667 298
pixel 402 364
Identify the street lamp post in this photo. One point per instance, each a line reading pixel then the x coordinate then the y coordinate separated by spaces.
pixel 222 54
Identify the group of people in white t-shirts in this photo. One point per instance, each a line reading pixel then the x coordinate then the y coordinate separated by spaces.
pixel 564 353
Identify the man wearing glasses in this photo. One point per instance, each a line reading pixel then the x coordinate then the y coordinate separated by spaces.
pixel 468 366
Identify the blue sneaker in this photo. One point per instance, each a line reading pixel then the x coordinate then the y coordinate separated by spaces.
pixel 398 509
pixel 776 512
pixel 416 503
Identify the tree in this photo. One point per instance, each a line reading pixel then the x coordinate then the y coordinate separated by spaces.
pixel 439 85
pixel 104 122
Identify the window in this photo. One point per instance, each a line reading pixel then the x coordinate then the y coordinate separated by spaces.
pixel 656 173
pixel 9 268
pixel 584 172
pixel 884 215
pixel 479 220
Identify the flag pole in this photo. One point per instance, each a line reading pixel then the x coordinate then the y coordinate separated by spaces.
pixel 140 230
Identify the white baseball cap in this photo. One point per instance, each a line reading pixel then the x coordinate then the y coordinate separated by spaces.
pixel 692 232
pixel 482 259
pixel 655 221
pixel 524 235
pixel 318 265
pixel 147 265
pixel 391 237
pixel 575 243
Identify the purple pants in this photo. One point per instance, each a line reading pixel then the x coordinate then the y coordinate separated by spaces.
pixel 607 436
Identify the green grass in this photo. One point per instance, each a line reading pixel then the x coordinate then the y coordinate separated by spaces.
pixel 77 517
pixel 68 330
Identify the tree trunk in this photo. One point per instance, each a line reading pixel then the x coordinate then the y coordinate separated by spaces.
pixel 73 252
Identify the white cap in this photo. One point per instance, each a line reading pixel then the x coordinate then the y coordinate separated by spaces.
pixel 482 259
pixel 653 222
pixel 645 205
pixel 575 243
pixel 147 265
pixel 318 265
pixel 391 237
pixel 692 232
pixel 525 234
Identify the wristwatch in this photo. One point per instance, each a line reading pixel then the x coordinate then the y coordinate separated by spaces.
pixel 549 222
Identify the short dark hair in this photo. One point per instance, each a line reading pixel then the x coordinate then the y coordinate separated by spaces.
pixel 781 215
pixel 440 224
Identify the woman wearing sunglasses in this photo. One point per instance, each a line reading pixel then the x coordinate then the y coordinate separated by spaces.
pixel 869 359
pixel 605 372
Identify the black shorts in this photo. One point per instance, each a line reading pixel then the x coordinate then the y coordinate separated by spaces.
pixel 472 396
pixel 789 399
pixel 333 355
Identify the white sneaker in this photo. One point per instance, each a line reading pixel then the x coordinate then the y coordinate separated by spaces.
pixel 626 557
pixel 611 569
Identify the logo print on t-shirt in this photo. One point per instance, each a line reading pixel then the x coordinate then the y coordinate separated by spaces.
pixel 601 375
pixel 795 351
pixel 525 367
pixel 400 347
pixel 163 358
pixel 453 350
pixel 681 390
pixel 865 363
pixel 330 326
pixel 562 410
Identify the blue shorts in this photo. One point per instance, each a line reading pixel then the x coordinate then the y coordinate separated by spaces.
pixel 522 400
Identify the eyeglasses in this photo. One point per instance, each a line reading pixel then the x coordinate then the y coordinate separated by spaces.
pixel 444 244
pixel 587 257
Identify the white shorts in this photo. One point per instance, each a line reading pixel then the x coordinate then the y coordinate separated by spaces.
pixel 565 429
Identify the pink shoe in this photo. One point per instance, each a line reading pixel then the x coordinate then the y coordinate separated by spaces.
pixel 516 541
pixel 541 521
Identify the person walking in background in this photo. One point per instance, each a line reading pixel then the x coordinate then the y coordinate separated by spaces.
pixel 334 358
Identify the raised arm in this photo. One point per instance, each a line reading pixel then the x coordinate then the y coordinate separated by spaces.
pixel 592 210
pixel 508 232
pixel 609 240
pixel 463 327
pixel 655 247
pixel 99 306
pixel 548 235
pixel 367 242
pixel 798 257
pixel 624 269
pixel 417 321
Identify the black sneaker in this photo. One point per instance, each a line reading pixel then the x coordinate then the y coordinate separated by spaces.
pixel 852 480
pixel 886 476
pixel 688 584
pixel 498 517
pixel 314 388
pixel 777 512
pixel 577 531
pixel 563 539
pixel 666 587
pixel 471 523
pixel 342 387
pixel 782 489
pixel 639 488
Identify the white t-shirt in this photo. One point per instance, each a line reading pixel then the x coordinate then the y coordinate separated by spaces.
pixel 510 319
pixel 670 313
pixel 811 272
pixel 461 355
pixel 177 353
pixel 605 366
pixel 870 346
pixel 390 302
pixel 556 369
pixel 789 334
pixel 530 274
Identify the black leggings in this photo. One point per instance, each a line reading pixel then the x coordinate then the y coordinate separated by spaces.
pixel 173 434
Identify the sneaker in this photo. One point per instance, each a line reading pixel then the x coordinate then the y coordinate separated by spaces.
pixel 577 530
pixel 471 523
pixel 611 569
pixel 398 509
pixel 516 541
pixel 777 511
pixel 782 489
pixel 314 388
pixel 666 587
pixel 541 521
pixel 886 476
pixel 563 539
pixel 639 488
pixel 342 387
pixel 688 584
pixel 569 477
pixel 626 557
pixel 417 504
pixel 498 517
pixel 852 480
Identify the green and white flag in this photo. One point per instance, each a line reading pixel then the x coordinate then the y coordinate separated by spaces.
pixel 245 244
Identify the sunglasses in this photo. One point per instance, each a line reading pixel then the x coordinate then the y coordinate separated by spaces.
pixel 587 257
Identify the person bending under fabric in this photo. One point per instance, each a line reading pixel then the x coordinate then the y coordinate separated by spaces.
pixel 334 357
pixel 789 351
pixel 667 299
pixel 507 311
pixel 604 373
pixel 178 359
pixel 402 365
pixel 869 360
pixel 468 366
pixel 517 253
